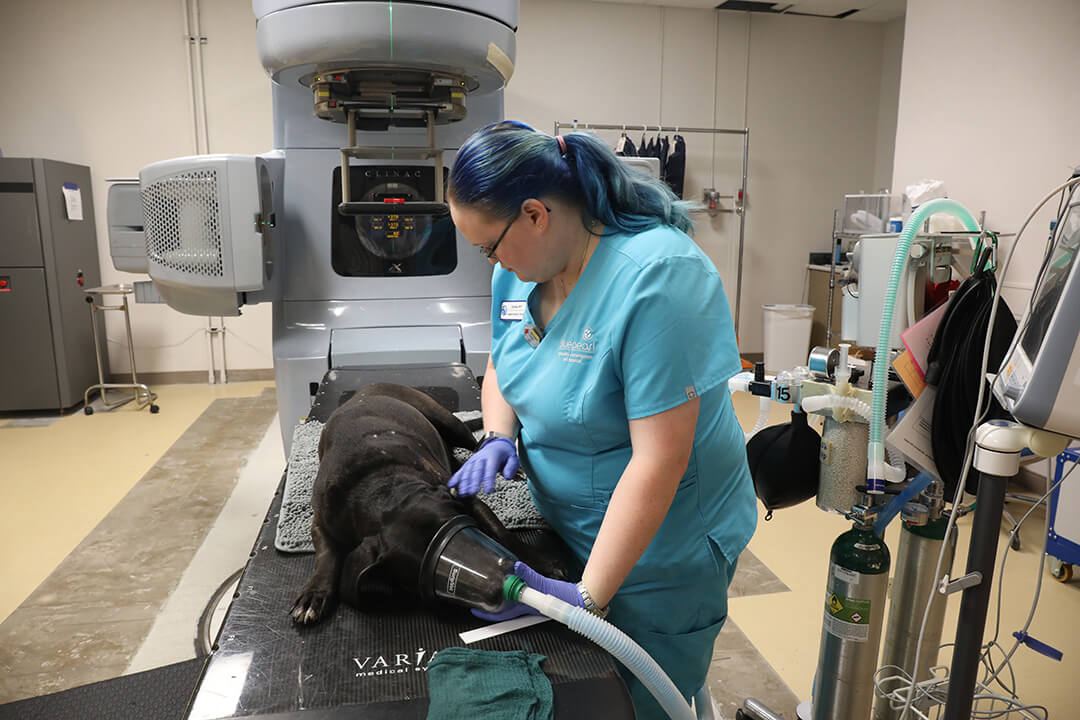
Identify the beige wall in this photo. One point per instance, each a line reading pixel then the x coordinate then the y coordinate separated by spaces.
pixel 813 105
pixel 986 104
pixel 105 84
pixel 892 50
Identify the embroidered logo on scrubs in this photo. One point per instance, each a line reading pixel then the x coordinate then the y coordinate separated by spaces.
pixel 575 351
pixel 691 393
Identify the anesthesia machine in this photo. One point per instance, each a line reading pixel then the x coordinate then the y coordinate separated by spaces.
pixel 1032 379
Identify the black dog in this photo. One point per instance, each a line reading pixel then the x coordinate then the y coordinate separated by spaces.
pixel 380 496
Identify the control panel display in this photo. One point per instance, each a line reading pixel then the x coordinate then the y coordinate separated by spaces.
pixel 395 242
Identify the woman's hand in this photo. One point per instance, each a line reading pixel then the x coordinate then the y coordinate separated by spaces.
pixel 478 472
pixel 566 591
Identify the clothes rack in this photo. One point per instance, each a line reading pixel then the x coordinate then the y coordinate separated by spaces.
pixel 740 196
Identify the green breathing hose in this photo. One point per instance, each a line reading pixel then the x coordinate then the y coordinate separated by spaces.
pixel 875 457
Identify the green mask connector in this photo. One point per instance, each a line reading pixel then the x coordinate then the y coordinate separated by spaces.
pixel 512 587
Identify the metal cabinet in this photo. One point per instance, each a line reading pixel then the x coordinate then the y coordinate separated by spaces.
pixel 47 256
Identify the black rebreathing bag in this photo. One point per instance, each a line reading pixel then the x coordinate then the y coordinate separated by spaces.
pixel 785 461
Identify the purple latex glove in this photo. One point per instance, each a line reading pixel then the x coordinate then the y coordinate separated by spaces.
pixel 565 591
pixel 497 454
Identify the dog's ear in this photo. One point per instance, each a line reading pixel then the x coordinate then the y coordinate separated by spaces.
pixel 366 578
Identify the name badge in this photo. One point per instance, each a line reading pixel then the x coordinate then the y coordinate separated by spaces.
pixel 512 310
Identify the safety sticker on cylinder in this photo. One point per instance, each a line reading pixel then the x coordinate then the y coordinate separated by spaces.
pixel 847 618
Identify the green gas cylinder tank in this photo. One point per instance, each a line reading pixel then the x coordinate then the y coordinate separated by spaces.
pixel 851 630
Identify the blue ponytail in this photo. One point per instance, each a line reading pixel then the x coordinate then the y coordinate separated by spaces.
pixel 504 164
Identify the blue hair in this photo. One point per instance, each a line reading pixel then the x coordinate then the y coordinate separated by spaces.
pixel 506 163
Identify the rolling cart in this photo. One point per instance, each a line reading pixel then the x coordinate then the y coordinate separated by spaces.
pixel 1063 542
pixel 140 393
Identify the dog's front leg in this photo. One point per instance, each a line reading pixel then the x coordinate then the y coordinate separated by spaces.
pixel 317 597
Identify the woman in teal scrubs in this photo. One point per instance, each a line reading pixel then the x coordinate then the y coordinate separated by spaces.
pixel 612 344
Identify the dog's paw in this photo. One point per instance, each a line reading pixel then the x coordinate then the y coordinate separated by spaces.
pixel 311 606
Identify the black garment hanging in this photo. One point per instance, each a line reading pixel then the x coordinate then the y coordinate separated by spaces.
pixel 953 366
pixel 662 153
pixel 625 147
pixel 675 167
pixel 650 151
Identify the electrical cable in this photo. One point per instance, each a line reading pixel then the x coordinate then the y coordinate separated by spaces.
pixel 159 347
pixel 933 693
pixel 979 409
pixel 1042 567
pixel 986 658
pixel 232 334
pixel 987 662
pixel 1005 554
pixel 203 644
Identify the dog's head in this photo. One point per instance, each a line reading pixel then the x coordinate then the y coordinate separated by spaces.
pixel 383 572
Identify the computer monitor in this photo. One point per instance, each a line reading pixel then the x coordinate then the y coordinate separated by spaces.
pixel 1039 380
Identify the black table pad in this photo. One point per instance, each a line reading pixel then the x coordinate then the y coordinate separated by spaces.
pixel 158 694
pixel 365 665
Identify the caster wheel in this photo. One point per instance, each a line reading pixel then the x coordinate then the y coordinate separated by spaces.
pixel 88 410
pixel 1061 571
pixel 154 409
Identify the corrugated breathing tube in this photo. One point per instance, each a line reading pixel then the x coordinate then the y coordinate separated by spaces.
pixel 875 457
pixel 612 639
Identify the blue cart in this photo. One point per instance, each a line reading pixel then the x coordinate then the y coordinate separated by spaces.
pixel 1063 542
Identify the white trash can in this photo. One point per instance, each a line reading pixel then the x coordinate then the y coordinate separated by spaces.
pixel 787 335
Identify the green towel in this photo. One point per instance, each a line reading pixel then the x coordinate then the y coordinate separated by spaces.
pixel 488 685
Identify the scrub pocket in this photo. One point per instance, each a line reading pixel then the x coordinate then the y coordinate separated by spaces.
pixel 685 657
pixel 677 626
pixel 723 565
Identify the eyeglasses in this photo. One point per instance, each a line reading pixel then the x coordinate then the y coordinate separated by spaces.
pixel 489 251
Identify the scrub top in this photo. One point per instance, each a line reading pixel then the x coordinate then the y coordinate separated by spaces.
pixel 646 328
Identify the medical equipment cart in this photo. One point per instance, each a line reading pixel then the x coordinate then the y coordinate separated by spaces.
pixel 140 393
pixel 1063 541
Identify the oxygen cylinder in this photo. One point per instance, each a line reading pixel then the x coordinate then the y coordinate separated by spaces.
pixel 851 632
pixel 913 581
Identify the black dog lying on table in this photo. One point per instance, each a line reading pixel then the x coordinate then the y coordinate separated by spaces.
pixel 380 496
